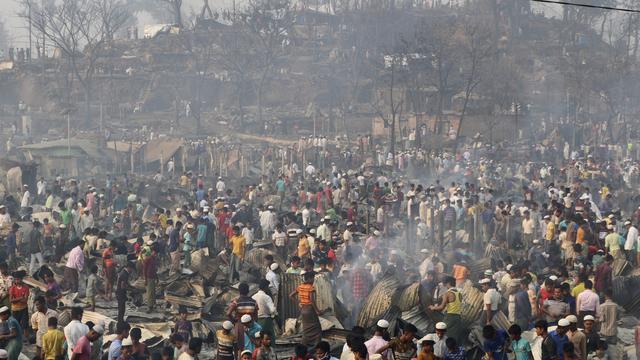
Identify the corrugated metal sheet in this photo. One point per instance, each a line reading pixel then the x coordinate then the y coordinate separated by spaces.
pixel 500 321
pixel 287 308
pixel 378 301
pixel 407 298
pixel 161 148
pixel 420 319
pixel 256 256
pixel 621 267
pixel 471 304
pixel 325 299
pixel 478 267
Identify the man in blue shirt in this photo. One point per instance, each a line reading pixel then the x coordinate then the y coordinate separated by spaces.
pixel 11 244
pixel 496 343
pixel 559 336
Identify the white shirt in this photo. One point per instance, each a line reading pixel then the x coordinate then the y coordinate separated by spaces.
pixel 220 186
pixel 266 307
pixel 248 235
pixel 25 199
pixel 5 219
pixel 41 186
pixel 306 217
pixel 492 297
pixel 73 332
pixel 274 281
pixel 310 170
pixel 632 238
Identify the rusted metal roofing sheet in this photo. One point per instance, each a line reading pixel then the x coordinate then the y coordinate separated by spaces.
pixel 408 298
pixel 378 301
pixel 471 304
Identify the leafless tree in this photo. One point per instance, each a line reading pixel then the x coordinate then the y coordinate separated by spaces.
pixel 175 7
pixel 81 30
pixel 270 23
pixel 477 49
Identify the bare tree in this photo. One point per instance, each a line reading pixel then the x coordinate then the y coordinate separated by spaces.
pixel 477 48
pixel 175 7
pixel 81 30
pixel 270 24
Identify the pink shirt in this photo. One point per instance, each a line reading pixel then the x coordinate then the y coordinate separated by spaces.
pixel 587 301
pixel 83 349
pixel 374 344
pixel 76 259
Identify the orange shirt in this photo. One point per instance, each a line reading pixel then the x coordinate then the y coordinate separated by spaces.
pixel 107 256
pixel 304 293
pixel 460 272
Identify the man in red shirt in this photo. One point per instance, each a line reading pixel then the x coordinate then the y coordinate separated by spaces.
pixel 19 296
pixel 150 272
pixel 82 350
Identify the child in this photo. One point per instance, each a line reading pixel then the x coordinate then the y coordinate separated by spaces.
pixel 520 347
pixel 52 340
pixel 245 355
pixel 301 353
pixel 295 266
pixel 601 351
pixel 47 234
pixel 426 353
pixel 454 352
pixel 264 352
pixel 90 293
pixel 226 342
pixel 183 326
pixel 109 268
pixel 53 286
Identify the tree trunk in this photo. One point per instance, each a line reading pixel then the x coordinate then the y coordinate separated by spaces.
pixel 87 105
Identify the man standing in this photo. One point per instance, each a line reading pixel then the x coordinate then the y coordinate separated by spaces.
pixel 603 278
pixel 75 264
pixel 631 243
pixel 40 320
pixel 377 341
pixel 491 300
pixel 25 202
pixel 122 332
pixel 122 285
pixel 150 272
pixel 34 239
pixel 608 316
pixel 74 330
pixel 238 244
pixel 82 350
pixel 266 308
pixel 577 337
pixel 174 247
pixel 527 228
pixel 587 301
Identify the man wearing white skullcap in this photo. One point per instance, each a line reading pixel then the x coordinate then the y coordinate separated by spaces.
pixel 377 341
pixel 250 329
pixel 226 341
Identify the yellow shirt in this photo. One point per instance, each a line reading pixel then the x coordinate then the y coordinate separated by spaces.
pixel 237 245
pixel 577 290
pixel 53 344
pixel 551 231
pixel 163 221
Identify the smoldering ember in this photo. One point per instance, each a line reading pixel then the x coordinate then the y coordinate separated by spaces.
pixel 293 179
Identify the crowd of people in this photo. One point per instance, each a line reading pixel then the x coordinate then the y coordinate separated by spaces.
pixel 553 234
